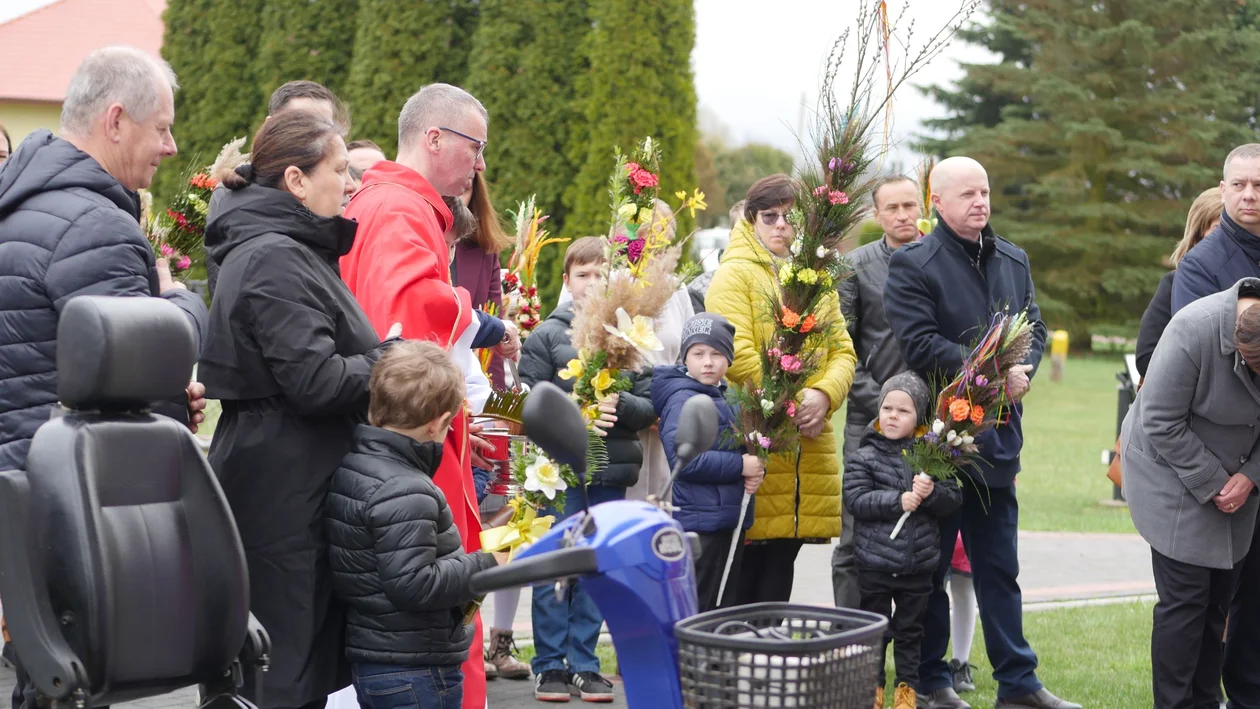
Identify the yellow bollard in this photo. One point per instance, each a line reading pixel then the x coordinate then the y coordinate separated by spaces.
pixel 1058 354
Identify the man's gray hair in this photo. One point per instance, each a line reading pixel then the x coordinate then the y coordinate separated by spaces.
pixel 434 105
pixel 110 75
pixel 1247 151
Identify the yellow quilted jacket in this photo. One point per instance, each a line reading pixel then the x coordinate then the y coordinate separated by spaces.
pixel 800 497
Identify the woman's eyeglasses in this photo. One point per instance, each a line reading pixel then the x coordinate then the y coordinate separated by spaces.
pixel 772 218
pixel 481 144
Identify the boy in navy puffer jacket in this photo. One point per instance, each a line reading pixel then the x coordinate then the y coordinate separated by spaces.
pixel 878 488
pixel 708 492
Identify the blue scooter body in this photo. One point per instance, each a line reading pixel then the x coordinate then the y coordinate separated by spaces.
pixel 645 584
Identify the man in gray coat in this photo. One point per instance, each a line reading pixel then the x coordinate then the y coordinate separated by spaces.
pixel 897 209
pixel 1190 452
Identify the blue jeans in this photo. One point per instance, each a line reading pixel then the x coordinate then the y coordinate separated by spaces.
pixel 395 687
pixel 567 630
pixel 989 520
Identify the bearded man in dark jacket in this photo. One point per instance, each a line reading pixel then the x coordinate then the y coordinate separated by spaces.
pixel 942 293
pixel 69 226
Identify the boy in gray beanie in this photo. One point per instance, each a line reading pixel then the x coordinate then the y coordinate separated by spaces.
pixel 879 487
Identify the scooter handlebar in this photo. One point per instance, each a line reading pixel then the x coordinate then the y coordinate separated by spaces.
pixel 548 566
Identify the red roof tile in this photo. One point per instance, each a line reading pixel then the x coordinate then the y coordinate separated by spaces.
pixel 41 49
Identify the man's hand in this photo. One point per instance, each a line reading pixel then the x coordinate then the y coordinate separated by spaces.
pixel 510 348
pixel 1234 494
pixel 910 501
pixel 923 487
pixel 165 281
pixel 1017 381
pixel 479 443
pixel 607 414
pixel 754 473
pixel 196 405
pixel 811 413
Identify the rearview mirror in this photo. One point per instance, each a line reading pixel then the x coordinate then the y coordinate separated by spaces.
pixel 554 422
pixel 697 428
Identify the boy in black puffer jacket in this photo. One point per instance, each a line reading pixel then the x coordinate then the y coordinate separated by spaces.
pixel 567 630
pixel 878 487
pixel 397 559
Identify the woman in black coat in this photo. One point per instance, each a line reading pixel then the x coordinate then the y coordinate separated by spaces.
pixel 1204 215
pixel 289 354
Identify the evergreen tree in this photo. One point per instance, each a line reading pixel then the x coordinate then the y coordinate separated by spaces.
pixel 305 39
pixel 525 57
pixel 738 168
pixel 211 46
pixel 1119 116
pixel 639 84
pixel 399 47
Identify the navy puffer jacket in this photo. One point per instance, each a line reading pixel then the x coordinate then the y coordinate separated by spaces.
pixel 875 477
pixel 67 228
pixel 709 490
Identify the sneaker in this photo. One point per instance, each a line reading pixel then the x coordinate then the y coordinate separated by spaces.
pixel 591 687
pixel 552 686
pixel 961 672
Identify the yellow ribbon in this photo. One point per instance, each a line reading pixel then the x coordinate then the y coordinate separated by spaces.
pixel 525 528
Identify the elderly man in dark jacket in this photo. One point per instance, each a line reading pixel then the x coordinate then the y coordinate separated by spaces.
pixel 1228 254
pixel 897 209
pixel 941 295
pixel 69 226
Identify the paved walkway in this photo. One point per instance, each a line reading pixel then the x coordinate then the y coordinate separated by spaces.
pixel 1055 568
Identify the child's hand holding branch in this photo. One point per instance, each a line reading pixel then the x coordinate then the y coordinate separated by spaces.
pixel 754 473
pixel 910 501
pixel 607 414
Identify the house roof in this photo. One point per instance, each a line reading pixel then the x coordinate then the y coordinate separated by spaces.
pixel 42 48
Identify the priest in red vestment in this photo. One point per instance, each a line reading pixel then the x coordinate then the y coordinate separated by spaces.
pixel 399 271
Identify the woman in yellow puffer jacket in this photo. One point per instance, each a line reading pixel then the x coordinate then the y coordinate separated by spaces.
pixel 799 501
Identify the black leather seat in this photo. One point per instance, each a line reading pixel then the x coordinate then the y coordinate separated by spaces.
pixel 121 569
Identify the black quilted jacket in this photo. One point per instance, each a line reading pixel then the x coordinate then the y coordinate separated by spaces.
pixel 875 477
pixel 67 228
pixel 396 555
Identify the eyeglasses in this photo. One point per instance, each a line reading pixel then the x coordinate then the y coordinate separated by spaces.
pixel 772 218
pixel 481 144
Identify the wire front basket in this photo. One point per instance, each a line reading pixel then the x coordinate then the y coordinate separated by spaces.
pixel 779 655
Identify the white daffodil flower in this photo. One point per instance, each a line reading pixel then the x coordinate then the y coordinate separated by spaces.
pixel 544 476
pixel 638 331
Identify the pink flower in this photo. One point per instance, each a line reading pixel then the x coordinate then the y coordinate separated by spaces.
pixel 791 409
pixel 774 353
pixel 820 191
pixel 185 263
pixel 167 250
pixel 635 250
pixel 764 442
pixel 790 363
pixel 835 162
pixel 837 197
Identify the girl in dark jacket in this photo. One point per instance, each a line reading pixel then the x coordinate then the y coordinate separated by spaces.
pixel 289 354
pixel 878 487
pixel 708 492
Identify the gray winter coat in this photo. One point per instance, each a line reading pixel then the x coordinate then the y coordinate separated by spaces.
pixel 1195 423
pixel 878 355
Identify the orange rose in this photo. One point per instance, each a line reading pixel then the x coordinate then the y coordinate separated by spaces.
pixel 977 414
pixel 959 409
pixel 808 323
pixel 790 319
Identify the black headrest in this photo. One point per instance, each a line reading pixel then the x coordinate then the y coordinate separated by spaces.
pixel 122 353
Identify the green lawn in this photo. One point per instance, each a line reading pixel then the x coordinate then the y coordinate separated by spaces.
pixel 1097 656
pixel 1067 425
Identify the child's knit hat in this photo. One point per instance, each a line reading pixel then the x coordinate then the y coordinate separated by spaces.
pixel 911 384
pixel 708 329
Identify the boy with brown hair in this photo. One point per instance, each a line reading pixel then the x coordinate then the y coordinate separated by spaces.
pixel 396 556
pixel 566 630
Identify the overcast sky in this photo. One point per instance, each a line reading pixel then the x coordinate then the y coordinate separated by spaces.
pixel 754 67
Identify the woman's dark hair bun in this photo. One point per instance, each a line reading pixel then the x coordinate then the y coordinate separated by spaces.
pixel 240 177
pixel 246 170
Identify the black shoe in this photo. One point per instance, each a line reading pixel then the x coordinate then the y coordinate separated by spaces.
pixel 1041 699
pixel 591 687
pixel 961 672
pixel 552 686
pixel 942 699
